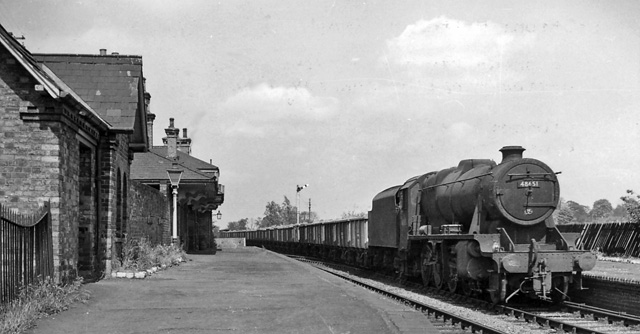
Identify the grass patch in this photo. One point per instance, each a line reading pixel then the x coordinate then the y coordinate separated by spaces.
pixel 139 254
pixel 38 300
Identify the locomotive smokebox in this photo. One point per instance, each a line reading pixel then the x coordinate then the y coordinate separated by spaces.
pixel 510 153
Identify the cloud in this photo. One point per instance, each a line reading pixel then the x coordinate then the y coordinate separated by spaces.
pixel 261 109
pixel 451 47
pixel 460 130
pixel 245 129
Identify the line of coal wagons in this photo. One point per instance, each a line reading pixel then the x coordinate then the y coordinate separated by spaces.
pixel 345 240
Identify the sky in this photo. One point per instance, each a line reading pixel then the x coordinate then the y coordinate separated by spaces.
pixel 353 97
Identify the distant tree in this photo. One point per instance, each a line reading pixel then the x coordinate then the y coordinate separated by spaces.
pixel 232 226
pixel 564 215
pixel 354 214
pixel 239 225
pixel 579 212
pixel 288 212
pixel 276 214
pixel 602 208
pixel 620 212
pixel 272 215
pixel 254 223
pixel 632 204
pixel 305 218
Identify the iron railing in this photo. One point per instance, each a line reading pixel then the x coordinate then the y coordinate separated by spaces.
pixel 26 250
pixel 616 238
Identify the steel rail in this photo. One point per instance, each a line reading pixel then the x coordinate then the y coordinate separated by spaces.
pixel 545 321
pixel 600 313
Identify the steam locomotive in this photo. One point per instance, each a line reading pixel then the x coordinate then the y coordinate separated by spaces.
pixel 478 228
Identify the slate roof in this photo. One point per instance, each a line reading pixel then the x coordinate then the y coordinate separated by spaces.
pixel 112 85
pixel 109 84
pixel 153 165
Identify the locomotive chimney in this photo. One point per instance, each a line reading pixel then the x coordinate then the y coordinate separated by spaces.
pixel 511 153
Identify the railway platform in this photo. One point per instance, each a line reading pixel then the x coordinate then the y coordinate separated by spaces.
pixel 243 290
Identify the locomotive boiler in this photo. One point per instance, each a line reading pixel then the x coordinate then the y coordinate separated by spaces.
pixel 480 227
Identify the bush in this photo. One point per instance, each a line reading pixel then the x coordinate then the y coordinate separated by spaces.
pixel 139 254
pixel 38 300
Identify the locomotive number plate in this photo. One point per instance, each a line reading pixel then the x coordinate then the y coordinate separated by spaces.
pixel 529 184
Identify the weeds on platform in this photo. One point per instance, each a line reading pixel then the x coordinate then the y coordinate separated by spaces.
pixel 38 300
pixel 140 254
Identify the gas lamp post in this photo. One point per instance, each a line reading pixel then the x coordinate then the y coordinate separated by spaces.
pixel 174 174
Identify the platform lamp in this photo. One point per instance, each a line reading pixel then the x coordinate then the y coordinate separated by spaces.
pixel 175 174
pixel 298 189
pixel 219 215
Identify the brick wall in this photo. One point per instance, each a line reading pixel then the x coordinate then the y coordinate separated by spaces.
pixel 87 231
pixel 29 152
pixel 148 216
pixel 609 293
pixel 68 210
pixel 114 180
pixel 39 158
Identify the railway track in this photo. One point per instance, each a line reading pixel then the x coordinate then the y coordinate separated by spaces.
pixel 567 317
pixel 603 314
pixel 581 319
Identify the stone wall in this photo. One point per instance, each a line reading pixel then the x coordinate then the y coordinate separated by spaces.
pixel 148 214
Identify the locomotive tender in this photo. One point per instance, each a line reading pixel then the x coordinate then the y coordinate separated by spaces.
pixel 480 227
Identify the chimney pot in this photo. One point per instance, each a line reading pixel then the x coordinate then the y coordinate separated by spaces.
pixel 103 52
pixel 184 133
pixel 115 53
pixel 171 123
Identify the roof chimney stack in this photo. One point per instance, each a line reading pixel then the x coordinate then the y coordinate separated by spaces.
pixel 172 140
pixel 184 143
pixel 150 118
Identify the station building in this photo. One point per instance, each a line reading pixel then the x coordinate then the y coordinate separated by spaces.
pixel 199 193
pixel 70 128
